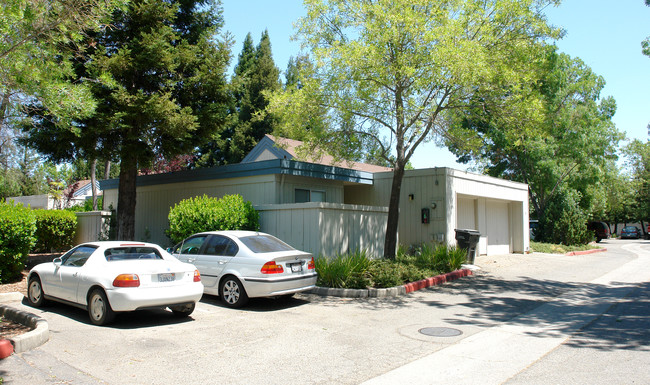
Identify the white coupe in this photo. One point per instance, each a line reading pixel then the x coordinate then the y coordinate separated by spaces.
pixel 237 265
pixel 109 277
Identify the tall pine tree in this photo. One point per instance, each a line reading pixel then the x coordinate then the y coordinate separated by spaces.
pixel 255 74
pixel 161 89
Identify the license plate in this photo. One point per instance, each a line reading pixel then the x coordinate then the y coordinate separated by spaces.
pixel 166 277
pixel 296 267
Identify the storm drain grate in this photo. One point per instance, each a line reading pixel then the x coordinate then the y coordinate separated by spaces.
pixel 440 332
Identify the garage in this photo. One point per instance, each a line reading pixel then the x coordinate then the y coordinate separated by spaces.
pixel 491 218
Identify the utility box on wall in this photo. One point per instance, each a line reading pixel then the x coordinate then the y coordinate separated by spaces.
pixel 426 215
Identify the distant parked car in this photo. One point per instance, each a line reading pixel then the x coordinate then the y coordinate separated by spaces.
pixel 533 225
pixel 630 232
pixel 600 229
pixel 238 265
pixel 109 277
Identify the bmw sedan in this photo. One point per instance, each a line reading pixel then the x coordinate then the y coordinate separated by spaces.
pixel 238 265
pixel 110 277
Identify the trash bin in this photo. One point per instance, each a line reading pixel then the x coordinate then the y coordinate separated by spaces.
pixel 468 239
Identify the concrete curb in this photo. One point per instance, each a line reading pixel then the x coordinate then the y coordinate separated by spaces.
pixel 392 291
pixel 32 339
pixel 584 252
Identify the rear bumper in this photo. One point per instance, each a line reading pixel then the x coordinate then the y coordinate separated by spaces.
pixel 268 287
pixel 134 298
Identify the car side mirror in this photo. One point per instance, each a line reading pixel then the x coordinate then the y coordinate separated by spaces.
pixel 57 261
pixel 170 250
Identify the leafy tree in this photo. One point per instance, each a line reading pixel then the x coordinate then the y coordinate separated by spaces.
pixel 35 42
pixel 554 133
pixel 639 164
pixel 387 72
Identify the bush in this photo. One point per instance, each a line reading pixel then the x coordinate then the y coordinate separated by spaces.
pixel 55 230
pixel 345 271
pixel 357 271
pixel 17 228
pixel 198 214
pixel 564 221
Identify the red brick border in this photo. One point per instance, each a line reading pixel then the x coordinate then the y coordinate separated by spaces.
pixel 437 280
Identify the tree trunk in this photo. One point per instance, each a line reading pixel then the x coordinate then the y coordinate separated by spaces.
pixel 126 201
pixel 390 242
pixel 107 169
pixel 93 179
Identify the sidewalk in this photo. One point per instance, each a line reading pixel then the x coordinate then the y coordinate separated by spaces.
pixel 501 352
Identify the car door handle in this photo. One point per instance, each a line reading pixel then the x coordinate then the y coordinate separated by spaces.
pixel 190 260
pixel 222 262
pixel 75 274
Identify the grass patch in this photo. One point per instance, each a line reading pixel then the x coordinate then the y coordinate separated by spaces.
pixel 358 271
pixel 550 248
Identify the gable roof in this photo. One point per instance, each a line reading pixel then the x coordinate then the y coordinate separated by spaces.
pixel 271 147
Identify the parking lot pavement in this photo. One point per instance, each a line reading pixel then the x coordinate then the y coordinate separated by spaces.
pixel 307 339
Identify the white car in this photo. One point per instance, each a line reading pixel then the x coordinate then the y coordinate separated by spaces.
pixel 109 277
pixel 237 265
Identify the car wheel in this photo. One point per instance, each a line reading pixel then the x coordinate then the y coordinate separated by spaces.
pixel 35 295
pixel 183 310
pixel 232 292
pixel 99 309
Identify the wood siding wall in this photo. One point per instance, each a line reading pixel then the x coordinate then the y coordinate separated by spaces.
pixel 327 229
pixel 92 226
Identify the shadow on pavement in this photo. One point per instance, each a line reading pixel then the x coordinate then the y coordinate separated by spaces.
pixel 493 301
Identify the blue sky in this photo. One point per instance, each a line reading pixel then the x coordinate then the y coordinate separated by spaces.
pixel 605 34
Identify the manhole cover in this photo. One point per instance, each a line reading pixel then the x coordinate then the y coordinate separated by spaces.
pixel 440 332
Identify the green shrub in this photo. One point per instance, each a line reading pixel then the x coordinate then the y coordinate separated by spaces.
pixel 357 271
pixel 17 228
pixel 344 271
pixel 55 230
pixel 205 213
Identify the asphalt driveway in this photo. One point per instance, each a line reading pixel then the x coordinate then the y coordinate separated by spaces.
pixel 307 339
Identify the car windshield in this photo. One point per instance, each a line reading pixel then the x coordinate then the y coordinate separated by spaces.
pixel 629 228
pixel 264 244
pixel 131 253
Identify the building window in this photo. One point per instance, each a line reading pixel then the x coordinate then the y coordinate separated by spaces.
pixel 304 195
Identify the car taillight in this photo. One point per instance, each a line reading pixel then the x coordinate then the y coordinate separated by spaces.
pixel 271 268
pixel 126 280
pixel 311 265
pixel 197 276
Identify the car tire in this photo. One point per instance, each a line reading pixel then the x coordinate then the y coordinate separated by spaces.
pixel 232 292
pixel 35 294
pixel 183 310
pixel 99 309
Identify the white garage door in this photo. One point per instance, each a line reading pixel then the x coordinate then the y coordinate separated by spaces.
pixel 466 214
pixel 498 227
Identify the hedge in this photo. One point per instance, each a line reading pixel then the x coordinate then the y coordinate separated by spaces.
pixel 55 230
pixel 195 215
pixel 17 228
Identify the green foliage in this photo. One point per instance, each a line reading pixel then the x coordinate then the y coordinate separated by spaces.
pixel 17 228
pixel 344 271
pixel 205 213
pixel 86 206
pixel 551 248
pixel 256 75
pixel 386 73
pixel 357 271
pixel 553 132
pixel 55 230
pixel 565 221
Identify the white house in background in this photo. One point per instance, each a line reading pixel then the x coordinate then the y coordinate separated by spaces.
pixel 75 194
pixel 327 208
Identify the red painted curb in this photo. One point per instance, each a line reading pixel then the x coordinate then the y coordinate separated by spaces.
pixel 584 252
pixel 6 348
pixel 437 280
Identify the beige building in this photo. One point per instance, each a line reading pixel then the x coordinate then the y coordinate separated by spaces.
pixel 328 208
